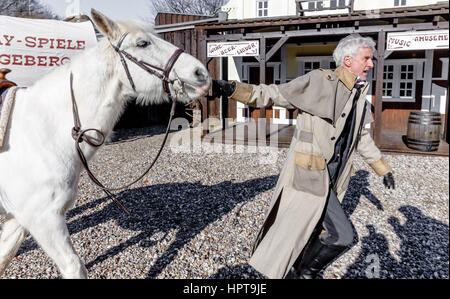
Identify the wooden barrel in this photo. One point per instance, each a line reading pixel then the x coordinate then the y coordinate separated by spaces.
pixel 424 130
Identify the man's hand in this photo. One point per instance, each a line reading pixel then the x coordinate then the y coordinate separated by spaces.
pixel 389 181
pixel 222 88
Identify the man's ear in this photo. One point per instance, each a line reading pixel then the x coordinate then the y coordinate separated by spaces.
pixel 105 25
pixel 348 61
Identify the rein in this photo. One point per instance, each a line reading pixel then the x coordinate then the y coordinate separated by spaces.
pixel 81 136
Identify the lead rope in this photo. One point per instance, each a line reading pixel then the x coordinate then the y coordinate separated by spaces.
pixel 80 136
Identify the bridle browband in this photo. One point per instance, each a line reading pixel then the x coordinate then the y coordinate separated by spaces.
pixel 80 136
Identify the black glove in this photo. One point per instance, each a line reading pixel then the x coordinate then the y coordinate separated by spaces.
pixel 222 88
pixel 389 181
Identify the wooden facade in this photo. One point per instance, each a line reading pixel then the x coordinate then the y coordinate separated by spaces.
pixel 274 33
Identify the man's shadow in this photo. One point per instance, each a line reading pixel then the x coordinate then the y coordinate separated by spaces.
pixel 159 209
pixel 424 248
pixel 423 253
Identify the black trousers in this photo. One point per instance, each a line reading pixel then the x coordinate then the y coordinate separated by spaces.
pixel 338 229
pixel 337 226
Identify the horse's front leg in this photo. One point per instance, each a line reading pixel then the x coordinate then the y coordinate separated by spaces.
pixel 48 227
pixel 52 235
pixel 12 235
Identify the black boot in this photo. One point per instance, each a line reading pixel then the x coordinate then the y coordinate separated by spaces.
pixel 316 258
pixel 293 273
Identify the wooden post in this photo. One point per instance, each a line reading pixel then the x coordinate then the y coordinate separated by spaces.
pixel 427 101
pixel 446 117
pixel 261 128
pixel 379 88
pixel 224 100
pixel 262 69
pixel 204 59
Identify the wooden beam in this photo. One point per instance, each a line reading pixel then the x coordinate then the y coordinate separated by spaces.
pixel 395 22
pixel 262 69
pixel 331 31
pixel 436 20
pixel 387 53
pixel 379 88
pixel 276 47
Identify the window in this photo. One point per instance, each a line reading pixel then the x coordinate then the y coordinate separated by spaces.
pixel 332 65
pixel 407 81
pixel 262 8
pixel 399 3
pixel 310 66
pixel 315 5
pixel 388 81
pixel 307 64
pixel 399 81
pixel 337 3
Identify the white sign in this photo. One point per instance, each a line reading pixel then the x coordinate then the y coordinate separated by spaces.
pixel 233 49
pixel 417 40
pixel 32 48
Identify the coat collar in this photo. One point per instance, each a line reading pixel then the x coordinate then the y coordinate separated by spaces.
pixel 346 77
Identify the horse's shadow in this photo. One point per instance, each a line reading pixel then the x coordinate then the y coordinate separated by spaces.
pixel 186 207
pixel 190 207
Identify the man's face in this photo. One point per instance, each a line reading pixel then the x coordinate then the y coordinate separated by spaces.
pixel 361 64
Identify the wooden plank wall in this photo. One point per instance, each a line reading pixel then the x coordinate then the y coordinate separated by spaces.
pixel 190 41
pixel 168 18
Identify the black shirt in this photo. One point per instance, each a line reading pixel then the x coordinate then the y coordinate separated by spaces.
pixel 342 147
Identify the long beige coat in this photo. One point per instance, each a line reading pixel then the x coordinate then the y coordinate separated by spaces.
pixel 325 98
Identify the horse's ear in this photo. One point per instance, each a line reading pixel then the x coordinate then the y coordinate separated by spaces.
pixel 105 25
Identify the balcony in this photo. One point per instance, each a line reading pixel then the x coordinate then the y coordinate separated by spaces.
pixel 323 7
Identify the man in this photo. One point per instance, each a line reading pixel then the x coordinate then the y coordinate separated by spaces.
pixel 306 227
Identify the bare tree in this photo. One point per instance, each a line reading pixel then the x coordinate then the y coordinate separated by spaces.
pixel 194 7
pixel 26 9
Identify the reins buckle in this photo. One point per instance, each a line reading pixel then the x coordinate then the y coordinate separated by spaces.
pixel 76 135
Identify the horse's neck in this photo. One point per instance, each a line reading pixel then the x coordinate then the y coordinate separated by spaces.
pixel 96 89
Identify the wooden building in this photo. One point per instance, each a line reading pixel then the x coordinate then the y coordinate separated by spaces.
pixel 290 46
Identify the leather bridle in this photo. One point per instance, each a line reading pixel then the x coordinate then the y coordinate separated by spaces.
pixel 81 136
pixel 162 74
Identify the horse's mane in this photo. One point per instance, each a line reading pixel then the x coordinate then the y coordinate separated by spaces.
pixel 131 26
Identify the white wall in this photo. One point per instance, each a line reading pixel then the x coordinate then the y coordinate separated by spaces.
pixel 246 9
pixel 383 4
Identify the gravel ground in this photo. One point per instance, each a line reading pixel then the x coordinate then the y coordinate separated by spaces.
pixel 196 214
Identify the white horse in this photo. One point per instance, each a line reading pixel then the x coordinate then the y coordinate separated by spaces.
pixel 40 168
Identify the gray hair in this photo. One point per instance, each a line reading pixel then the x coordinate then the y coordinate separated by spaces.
pixel 349 46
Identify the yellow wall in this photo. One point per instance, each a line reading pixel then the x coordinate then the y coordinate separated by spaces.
pixel 297 51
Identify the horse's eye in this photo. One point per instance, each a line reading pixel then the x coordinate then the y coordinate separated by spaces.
pixel 143 44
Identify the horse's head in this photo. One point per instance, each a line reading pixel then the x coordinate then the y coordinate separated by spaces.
pixel 141 49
